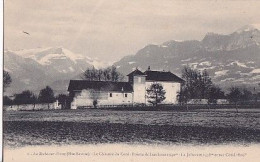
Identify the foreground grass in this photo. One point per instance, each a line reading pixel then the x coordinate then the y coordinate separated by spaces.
pixel 249 119
pixel 151 127
pixel 60 133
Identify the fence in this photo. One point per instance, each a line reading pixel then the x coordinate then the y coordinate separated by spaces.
pixel 55 106
pixel 174 106
pixel 219 106
pixel 105 106
pixel 28 107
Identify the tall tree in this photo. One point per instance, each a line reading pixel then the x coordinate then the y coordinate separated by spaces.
pixel 46 95
pixel 191 78
pixel 206 84
pixel 155 94
pixel 7 80
pixel 114 74
pixel 94 74
pixel 198 85
pixel 107 74
pixel 87 75
pixel 100 75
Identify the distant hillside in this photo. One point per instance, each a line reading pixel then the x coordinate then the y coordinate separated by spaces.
pixel 232 59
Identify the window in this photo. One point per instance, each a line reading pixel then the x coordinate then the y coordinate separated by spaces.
pixel 126 95
pixel 110 94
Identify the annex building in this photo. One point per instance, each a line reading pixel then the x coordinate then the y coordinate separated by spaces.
pixel 86 93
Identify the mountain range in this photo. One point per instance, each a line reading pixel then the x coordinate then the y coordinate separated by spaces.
pixel 232 59
pixel 33 69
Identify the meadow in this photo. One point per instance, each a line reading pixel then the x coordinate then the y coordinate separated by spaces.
pixel 93 126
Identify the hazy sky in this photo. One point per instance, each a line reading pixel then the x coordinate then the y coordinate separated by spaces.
pixel 111 29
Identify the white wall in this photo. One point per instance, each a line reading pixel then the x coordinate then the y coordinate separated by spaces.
pixel 25 107
pixel 171 89
pixel 139 90
pixel 86 98
pixel 198 101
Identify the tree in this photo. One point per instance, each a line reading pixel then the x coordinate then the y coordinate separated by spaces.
pixel 7 80
pixel 46 95
pixel 183 96
pixel 155 94
pixel 234 95
pixel 107 74
pixel 99 74
pixel 26 97
pixel 115 75
pixel 63 100
pixel 87 75
pixel 206 84
pixel 246 95
pixel 198 85
pixel 94 74
pixel 214 94
pixel 7 100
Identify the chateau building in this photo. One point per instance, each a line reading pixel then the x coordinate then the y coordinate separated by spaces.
pixel 87 94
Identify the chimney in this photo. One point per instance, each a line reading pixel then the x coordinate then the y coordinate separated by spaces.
pixel 149 68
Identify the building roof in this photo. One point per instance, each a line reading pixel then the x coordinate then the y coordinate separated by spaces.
pixel 100 86
pixel 135 73
pixel 161 76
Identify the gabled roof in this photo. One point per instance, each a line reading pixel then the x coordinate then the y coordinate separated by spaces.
pixel 135 73
pixel 162 76
pixel 100 86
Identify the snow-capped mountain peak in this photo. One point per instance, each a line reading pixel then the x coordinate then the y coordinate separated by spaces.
pixel 44 56
pixel 247 28
pixel 231 59
pixel 33 68
pixel 211 34
pixel 50 55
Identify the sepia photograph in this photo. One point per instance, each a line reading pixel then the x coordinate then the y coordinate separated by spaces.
pixel 131 80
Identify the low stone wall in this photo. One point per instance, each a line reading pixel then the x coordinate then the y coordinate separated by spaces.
pixel 24 107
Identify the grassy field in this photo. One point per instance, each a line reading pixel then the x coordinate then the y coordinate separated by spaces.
pixel 62 127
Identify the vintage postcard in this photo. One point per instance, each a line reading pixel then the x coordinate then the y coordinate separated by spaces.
pixel 131 80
